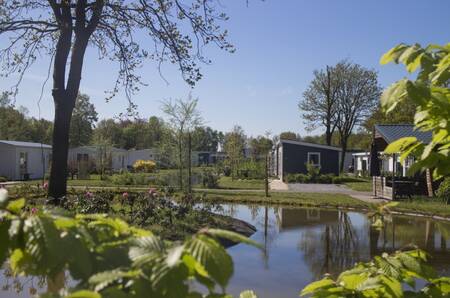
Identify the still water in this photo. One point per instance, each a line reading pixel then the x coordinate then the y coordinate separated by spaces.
pixel 301 244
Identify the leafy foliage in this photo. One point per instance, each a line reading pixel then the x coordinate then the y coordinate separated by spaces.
pixel 430 93
pixel 145 166
pixel 386 276
pixel 110 258
pixel 443 191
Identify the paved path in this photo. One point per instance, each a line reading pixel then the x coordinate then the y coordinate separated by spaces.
pixel 278 185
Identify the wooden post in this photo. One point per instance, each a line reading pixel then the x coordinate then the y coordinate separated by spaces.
pixel 394 170
pixel 429 183
pixel 266 176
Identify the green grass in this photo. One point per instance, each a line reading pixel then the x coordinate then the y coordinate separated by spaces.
pixel 228 183
pixel 429 207
pixel 360 186
pixel 286 198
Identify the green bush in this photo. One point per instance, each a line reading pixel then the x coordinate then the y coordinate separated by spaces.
pixel 126 178
pixel 345 179
pixel 443 191
pixel 209 178
pixel 3 179
pixel 324 179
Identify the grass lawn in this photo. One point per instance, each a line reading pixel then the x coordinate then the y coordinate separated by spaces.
pixel 228 183
pixel 285 198
pixel 360 186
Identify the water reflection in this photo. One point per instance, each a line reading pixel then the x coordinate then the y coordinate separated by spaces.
pixel 301 244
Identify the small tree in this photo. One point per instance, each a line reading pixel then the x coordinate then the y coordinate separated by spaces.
pixel 184 118
pixel 234 147
pixel 84 116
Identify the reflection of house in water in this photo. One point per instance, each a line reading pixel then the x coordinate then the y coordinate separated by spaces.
pixel 402 232
pixel 295 218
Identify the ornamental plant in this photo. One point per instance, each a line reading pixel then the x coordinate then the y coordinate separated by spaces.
pixel 394 275
pixel 108 257
pixel 430 92
pixel 144 166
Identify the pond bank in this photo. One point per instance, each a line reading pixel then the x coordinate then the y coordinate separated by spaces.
pixel 431 209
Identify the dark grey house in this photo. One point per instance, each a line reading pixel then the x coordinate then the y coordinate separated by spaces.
pixel 291 157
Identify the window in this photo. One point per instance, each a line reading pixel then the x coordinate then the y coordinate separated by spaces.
pixel 314 158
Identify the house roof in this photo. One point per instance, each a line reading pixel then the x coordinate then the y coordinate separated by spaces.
pixel 393 132
pixel 95 148
pixel 25 144
pixel 310 144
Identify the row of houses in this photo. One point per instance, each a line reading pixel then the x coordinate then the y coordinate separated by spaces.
pixel 27 160
pixel 291 157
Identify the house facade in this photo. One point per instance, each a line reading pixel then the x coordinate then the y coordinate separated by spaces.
pixel 94 157
pixel 143 154
pixel 24 160
pixel 291 157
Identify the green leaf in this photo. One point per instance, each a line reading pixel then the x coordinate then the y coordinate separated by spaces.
pixel 3 197
pixel 4 239
pixel 400 144
pixel 394 287
pixel 353 281
pixel 318 285
pixel 16 205
pixel 212 256
pixel 104 279
pixel 393 54
pixel 248 294
pixel 232 236
pixel 84 294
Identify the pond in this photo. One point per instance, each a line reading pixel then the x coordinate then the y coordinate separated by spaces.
pixel 301 244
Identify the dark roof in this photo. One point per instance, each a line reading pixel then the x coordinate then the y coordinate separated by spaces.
pixel 301 143
pixel 393 132
pixel 25 144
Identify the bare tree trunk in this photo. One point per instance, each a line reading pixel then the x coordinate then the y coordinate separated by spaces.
pixel 189 163
pixel 342 161
pixel 180 156
pixel 328 134
pixel 266 176
pixel 60 149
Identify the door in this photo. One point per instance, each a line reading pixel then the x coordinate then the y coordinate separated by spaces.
pixel 23 164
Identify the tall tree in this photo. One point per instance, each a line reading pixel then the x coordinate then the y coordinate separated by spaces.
pixel 63 29
pixel 357 96
pixel 403 113
pixel 206 139
pixel 84 117
pixel 319 104
pixel 234 147
pixel 184 117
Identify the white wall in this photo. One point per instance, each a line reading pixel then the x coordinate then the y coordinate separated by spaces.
pixel 7 161
pixel 144 154
pixel 38 165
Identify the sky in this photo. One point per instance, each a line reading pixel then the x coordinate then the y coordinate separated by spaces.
pixel 279 43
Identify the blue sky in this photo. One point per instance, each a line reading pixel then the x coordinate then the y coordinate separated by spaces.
pixel 279 43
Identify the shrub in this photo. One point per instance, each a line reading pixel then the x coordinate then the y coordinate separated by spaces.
pixel 345 179
pixel 3 179
pixel 125 178
pixel 324 179
pixel 313 171
pixel 144 166
pixel 443 191
pixel 209 178
pixel 140 179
